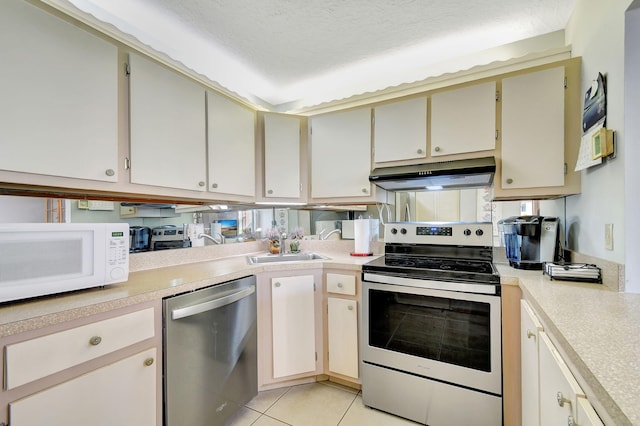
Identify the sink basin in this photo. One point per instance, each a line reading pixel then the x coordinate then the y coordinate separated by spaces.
pixel 289 257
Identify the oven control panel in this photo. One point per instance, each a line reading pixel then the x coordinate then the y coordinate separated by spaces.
pixel 470 234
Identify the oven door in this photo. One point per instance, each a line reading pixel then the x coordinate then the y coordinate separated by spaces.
pixel 448 336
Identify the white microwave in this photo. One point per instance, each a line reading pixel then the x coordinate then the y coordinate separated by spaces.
pixel 38 259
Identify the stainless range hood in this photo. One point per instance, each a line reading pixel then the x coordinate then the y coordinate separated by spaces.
pixel 457 174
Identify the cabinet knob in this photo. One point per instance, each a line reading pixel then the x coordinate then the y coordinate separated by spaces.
pixel 148 362
pixel 277 284
pixel 436 149
pixel 419 151
pixel 365 190
pixel 571 421
pixel 562 400
pixel 530 334
pixel 340 285
pixel 270 191
pixel 350 307
pixel 201 183
pixel 509 181
pixel 214 185
pixel 109 172
pixel 95 340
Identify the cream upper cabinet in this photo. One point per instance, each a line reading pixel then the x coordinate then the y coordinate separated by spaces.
pixel 463 120
pixel 282 156
pixel 59 97
pixel 533 130
pixel 400 130
pixel 231 147
pixel 530 329
pixel 341 154
pixel 167 115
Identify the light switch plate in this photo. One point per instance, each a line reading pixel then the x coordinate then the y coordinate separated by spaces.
pixel 608 236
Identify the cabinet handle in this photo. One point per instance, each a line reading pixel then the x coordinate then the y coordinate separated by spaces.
pixel 340 285
pixel 148 362
pixel 277 284
pixel 201 183
pixel 419 151
pixel 214 185
pixel 350 307
pixel 509 181
pixel 562 400
pixel 270 191
pixel 109 172
pixel 95 340
pixel 530 334
pixel 436 149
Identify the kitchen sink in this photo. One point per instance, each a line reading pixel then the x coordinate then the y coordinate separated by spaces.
pixel 289 257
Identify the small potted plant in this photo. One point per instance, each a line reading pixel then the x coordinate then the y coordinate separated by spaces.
pixel 273 235
pixel 295 236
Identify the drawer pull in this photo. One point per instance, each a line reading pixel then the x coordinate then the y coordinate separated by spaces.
pixel 350 307
pixel 562 400
pixel 277 284
pixel 148 362
pixel 530 334
pixel 340 285
pixel 95 340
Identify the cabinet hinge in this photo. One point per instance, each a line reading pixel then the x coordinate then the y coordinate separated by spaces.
pixel 300 189
pixel 314 286
pixel 127 163
pixel 127 69
pixel 497 96
pixel 566 170
pixel 497 134
pixel 373 119
pixel 316 356
pixel 566 83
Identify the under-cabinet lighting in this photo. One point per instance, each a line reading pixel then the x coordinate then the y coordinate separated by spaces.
pixel 434 188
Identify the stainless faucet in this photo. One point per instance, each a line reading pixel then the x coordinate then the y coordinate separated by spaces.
pixel 335 231
pixel 283 247
pixel 209 237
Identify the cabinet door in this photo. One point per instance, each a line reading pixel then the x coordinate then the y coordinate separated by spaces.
pixel 231 143
pixel 586 415
pixel 400 130
pixel 293 325
pixel 558 387
pixel 123 393
pixel 341 154
pixel 463 120
pixel 59 97
pixel 167 114
pixel 281 156
pixel 530 329
pixel 343 336
pixel 533 129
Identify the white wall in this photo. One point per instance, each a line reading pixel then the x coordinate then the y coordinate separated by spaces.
pixel 632 157
pixel 596 33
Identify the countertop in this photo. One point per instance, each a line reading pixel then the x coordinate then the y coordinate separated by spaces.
pixel 598 332
pixel 596 329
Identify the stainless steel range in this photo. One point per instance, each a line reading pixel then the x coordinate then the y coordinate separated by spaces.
pixel 431 319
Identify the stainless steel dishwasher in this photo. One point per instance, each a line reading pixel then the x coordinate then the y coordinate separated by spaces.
pixel 210 353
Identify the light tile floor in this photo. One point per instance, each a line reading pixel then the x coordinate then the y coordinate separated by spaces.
pixel 313 404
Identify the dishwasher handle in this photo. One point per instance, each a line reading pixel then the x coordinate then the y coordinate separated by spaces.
pixel 212 304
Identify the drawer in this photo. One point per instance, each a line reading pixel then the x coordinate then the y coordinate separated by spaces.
pixel 36 358
pixel 342 284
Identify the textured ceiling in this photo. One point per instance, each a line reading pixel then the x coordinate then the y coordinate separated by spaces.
pixel 282 50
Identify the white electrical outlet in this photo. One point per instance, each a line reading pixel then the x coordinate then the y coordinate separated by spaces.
pixel 608 236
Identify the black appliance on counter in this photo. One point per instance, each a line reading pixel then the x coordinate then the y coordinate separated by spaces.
pixel 169 237
pixel 530 241
pixel 139 239
pixel 431 325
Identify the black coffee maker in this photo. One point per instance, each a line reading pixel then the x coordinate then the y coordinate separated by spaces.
pixel 530 241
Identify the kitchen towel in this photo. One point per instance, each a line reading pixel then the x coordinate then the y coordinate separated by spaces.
pixel 362 236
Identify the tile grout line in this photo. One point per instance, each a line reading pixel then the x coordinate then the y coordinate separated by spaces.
pixel 348 408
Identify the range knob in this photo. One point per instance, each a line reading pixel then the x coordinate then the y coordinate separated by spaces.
pixel 394 231
pixel 403 231
pixel 467 232
pixel 479 232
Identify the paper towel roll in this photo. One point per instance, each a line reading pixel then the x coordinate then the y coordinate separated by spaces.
pixel 215 228
pixel 362 236
pixel 196 229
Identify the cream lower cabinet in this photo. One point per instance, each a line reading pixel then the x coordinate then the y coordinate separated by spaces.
pixel 123 393
pixel 551 394
pixel 342 325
